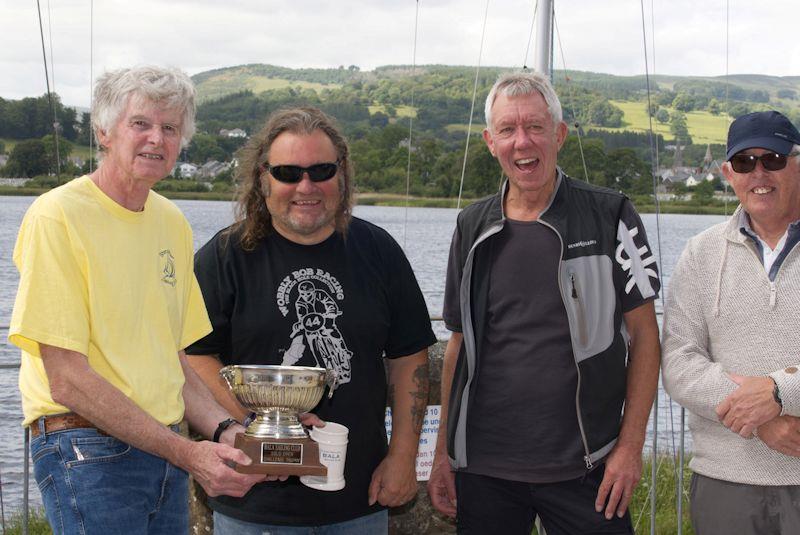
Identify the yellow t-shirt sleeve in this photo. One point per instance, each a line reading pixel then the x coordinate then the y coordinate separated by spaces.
pixel 51 306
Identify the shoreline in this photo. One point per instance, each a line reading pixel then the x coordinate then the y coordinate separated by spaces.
pixel 399 200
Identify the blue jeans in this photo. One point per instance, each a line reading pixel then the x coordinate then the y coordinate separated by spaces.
pixel 92 483
pixel 372 524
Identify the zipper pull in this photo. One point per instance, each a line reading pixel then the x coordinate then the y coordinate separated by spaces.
pixel 588 461
pixel 772 292
pixel 574 290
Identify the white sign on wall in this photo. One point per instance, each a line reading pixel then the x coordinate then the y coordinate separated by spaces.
pixel 427 439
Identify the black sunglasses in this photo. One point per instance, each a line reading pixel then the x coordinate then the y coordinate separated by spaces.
pixel 292 174
pixel 771 161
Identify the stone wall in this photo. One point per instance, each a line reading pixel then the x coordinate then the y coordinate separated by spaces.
pixel 415 518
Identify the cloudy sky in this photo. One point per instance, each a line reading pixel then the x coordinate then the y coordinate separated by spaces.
pixel 197 35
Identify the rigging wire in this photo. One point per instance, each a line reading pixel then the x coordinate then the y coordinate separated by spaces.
pixel 53 76
pixel 653 39
pixel 530 35
pixel 49 93
pixel 571 100
pixel 727 83
pixel 654 171
pixel 411 121
pixel 472 108
pixel 91 85
pixel 677 468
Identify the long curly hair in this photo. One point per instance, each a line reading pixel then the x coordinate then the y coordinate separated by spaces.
pixel 253 221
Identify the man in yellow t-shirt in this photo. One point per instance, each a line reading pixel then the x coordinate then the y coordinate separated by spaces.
pixel 107 301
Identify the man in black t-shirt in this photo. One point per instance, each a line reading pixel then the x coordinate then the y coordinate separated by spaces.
pixel 549 295
pixel 297 280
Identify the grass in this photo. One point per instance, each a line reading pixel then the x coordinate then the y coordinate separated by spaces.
pixel 703 126
pixel 8 143
pixel 400 111
pixel 225 84
pixel 666 500
pixel 37 524
pixel 395 199
pixel 77 150
pixel 477 127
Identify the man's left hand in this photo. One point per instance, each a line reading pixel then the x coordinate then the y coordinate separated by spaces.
pixel 749 406
pixel 394 482
pixel 622 473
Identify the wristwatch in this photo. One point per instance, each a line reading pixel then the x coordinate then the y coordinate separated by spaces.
pixel 223 425
pixel 776 395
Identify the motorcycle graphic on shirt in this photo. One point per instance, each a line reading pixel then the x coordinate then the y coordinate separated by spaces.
pixel 316 309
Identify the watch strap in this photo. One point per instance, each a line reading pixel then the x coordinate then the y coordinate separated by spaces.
pixel 776 395
pixel 223 425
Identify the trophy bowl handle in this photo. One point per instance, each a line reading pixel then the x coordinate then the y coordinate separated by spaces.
pixel 229 374
pixel 332 380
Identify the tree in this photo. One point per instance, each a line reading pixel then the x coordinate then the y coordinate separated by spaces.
pixel 628 172
pixel 52 157
pixel 683 102
pixel 84 129
pixel 570 160
pixel 703 192
pixel 27 159
pixel 204 148
pixel 738 109
pixel 759 95
pixel 603 113
pixel 679 188
pixel 662 116
pixel 483 174
pixel 378 119
pixel 678 128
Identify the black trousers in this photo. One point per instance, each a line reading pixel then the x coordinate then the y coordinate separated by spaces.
pixel 492 505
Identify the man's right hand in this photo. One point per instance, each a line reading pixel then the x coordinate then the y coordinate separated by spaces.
pixel 209 464
pixel 442 486
pixel 781 434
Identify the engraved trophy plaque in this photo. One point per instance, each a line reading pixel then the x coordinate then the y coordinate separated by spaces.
pixel 276 441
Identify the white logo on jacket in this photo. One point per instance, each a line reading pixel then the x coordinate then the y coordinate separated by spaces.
pixel 634 260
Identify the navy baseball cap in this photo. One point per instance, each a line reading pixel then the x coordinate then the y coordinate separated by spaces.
pixel 764 130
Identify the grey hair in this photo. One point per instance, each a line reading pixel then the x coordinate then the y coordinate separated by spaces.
pixel 514 84
pixel 166 86
pixel 796 152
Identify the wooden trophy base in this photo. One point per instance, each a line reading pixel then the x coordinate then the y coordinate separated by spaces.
pixel 280 456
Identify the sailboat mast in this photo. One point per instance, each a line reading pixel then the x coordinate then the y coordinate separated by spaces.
pixel 543 61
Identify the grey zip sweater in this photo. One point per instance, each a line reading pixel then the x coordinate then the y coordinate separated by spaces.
pixel 724 315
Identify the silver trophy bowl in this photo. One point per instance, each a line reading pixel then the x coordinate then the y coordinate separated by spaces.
pixel 278 395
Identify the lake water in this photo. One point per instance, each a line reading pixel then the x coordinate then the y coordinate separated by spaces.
pixel 424 234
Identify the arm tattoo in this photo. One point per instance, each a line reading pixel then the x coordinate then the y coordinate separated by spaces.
pixel 419 396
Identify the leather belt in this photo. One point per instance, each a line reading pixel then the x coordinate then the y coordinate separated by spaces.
pixel 60 422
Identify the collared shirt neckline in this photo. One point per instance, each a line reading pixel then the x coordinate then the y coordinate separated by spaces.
pixel 771 259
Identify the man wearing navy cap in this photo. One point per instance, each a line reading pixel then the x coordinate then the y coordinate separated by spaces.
pixel 731 348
